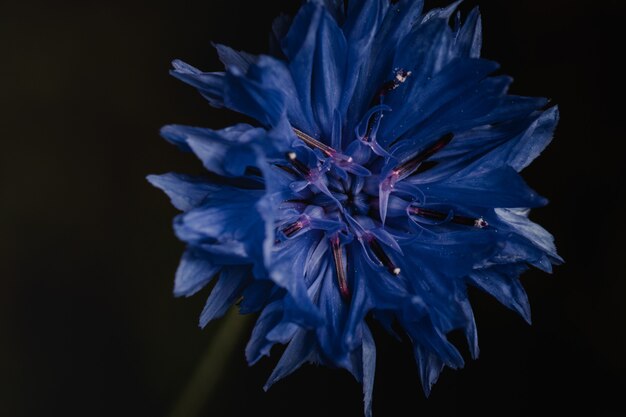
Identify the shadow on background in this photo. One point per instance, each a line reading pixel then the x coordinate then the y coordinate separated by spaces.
pixel 88 324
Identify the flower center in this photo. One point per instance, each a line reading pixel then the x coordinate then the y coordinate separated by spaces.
pixel 350 195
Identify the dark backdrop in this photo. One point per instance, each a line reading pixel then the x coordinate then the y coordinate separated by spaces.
pixel 88 324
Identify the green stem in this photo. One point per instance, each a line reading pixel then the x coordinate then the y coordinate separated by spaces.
pixel 212 367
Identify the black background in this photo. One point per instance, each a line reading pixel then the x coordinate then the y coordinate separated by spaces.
pixel 88 325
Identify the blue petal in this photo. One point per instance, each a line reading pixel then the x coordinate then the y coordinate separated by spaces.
pixel 501 187
pixel 514 143
pixel 283 332
pixel 363 20
pixel 289 261
pixel 502 283
pixel 483 105
pixel 378 67
pixel 171 134
pixel 470 330
pixel 210 84
pixel 426 49
pixel 442 13
pixel 237 59
pixel 253 99
pixel 534 140
pixel 426 94
pixel 225 292
pixel 329 72
pixel 335 311
pixel 258 345
pixel 429 365
pixel 257 295
pixel 424 333
pixel 334 8
pixel 194 272
pixel 223 151
pixel 540 237
pixel 469 38
pixel 299 351
pixel 274 75
pixel 227 223
pixel 299 47
pixel 525 241
pixel 370 289
pixel 369 369
pixel 185 192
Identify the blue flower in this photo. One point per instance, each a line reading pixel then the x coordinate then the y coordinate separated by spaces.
pixel 381 181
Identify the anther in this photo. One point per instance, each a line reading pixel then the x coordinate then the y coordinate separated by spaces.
pixel 478 223
pixel 314 143
pixel 326 150
pixel 410 165
pixel 399 78
pixel 342 281
pixel 293 228
pixel 382 256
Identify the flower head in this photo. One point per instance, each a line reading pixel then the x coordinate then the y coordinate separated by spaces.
pixel 382 180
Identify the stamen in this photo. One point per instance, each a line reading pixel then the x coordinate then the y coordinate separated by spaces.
pixel 410 165
pixel 326 150
pixel 341 271
pixel 425 166
pixel 299 166
pixel 478 223
pixel 429 214
pixel 293 228
pixel 383 257
pixel 314 143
